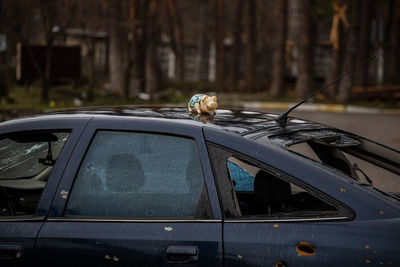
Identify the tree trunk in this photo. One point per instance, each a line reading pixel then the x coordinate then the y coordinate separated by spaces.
pixel 339 24
pixel 393 43
pixel 127 73
pixel 361 76
pixel 219 41
pixel 202 43
pixel 346 84
pixel 176 29
pixel 141 51
pixel 237 44
pixel 92 69
pixel 306 50
pixel 152 74
pixel 139 64
pixel 278 58
pixel 117 48
pixel 129 70
pixel 251 45
pixel 46 75
pixel 336 67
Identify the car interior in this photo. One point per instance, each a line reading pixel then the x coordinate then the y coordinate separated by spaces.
pixel 26 163
pixel 263 193
pixel 126 189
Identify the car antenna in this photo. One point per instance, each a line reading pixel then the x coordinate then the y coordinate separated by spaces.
pixel 282 119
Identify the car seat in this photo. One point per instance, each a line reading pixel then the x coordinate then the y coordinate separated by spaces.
pixel 124 173
pixel 271 193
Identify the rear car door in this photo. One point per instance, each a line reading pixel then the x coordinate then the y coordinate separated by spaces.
pixel 137 192
pixel 33 155
pixel 274 216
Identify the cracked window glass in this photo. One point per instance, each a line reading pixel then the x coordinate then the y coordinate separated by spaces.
pixel 26 163
pixel 21 153
pixel 139 175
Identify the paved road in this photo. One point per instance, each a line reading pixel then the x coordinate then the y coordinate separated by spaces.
pixel 382 128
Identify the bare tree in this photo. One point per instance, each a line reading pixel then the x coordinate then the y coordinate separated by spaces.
pixel 152 71
pixel 22 14
pixel 89 17
pixel 346 84
pixel 118 45
pixel 306 49
pixel 365 13
pixel 176 32
pixel 219 43
pixel 339 24
pixel 47 10
pixel 393 42
pixel 278 58
pixel 133 73
pixel 237 43
pixel 250 45
pixel 202 40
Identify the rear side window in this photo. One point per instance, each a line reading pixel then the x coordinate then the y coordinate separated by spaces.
pixel 250 189
pixel 139 175
pixel 260 193
pixel 26 163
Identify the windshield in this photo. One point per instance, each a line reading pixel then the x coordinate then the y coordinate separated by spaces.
pixel 24 156
pixel 360 159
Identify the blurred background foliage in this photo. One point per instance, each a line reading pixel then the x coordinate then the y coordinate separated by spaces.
pixel 64 53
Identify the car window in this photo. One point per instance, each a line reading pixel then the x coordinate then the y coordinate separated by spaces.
pixel 260 193
pixel 26 162
pixel 368 163
pixel 242 180
pixel 23 155
pixel 139 175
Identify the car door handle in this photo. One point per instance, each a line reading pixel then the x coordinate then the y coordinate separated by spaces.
pixel 11 251
pixel 182 254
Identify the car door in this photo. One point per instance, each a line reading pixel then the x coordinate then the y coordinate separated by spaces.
pixel 32 158
pixel 273 216
pixel 277 219
pixel 137 193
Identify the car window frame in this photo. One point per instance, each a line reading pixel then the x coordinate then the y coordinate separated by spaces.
pixel 222 154
pixel 140 125
pixel 75 129
pixel 133 217
pixel 38 131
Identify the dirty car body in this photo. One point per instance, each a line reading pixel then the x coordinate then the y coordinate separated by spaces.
pixel 158 186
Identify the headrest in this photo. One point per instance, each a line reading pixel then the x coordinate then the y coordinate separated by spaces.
pixel 124 173
pixel 270 190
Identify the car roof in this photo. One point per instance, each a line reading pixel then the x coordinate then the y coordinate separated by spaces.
pixel 247 123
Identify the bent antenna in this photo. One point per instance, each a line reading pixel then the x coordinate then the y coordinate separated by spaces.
pixel 282 119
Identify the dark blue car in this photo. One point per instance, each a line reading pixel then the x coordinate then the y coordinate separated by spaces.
pixel 157 187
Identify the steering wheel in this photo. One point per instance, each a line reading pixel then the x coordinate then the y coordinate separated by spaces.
pixel 6 205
